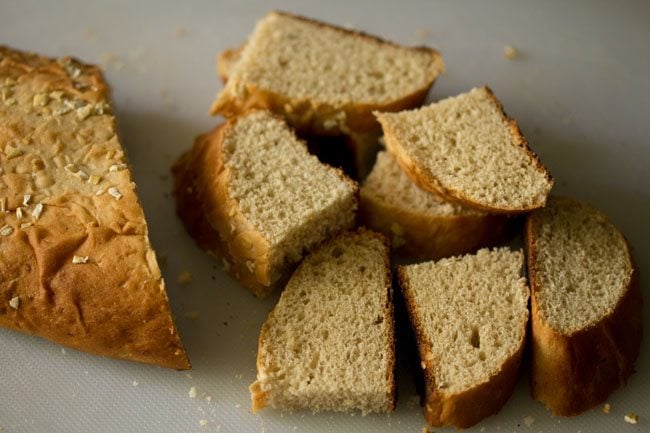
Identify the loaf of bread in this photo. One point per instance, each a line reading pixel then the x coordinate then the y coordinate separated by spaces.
pixel 585 306
pixel 329 342
pixel 76 265
pixel 250 192
pixel 323 79
pixel 469 314
pixel 419 223
pixel 467 150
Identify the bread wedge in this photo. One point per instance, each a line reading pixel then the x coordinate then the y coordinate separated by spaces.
pixel 76 265
pixel 329 342
pixel 467 150
pixel 469 314
pixel 252 184
pixel 585 304
pixel 323 79
pixel 419 223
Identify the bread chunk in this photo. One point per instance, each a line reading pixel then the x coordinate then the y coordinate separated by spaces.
pixel 586 306
pixel 419 223
pixel 469 314
pixel 467 150
pixel 250 192
pixel 329 342
pixel 323 79
pixel 76 265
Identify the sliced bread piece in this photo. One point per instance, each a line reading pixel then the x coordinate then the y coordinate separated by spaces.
pixel 269 201
pixel 422 224
pixel 467 150
pixel 325 79
pixel 76 264
pixel 329 342
pixel 586 306
pixel 469 315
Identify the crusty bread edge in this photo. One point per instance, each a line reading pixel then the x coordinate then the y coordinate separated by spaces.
pixel 226 61
pixel 565 373
pixel 259 397
pixel 467 408
pixel 427 181
pixel 427 236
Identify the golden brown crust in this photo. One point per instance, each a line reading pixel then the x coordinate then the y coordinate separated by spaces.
pixel 427 181
pixel 467 408
pixel 61 149
pixel 573 373
pixel 309 116
pixel 428 236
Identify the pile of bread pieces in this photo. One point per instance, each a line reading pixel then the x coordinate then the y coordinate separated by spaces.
pixel 265 192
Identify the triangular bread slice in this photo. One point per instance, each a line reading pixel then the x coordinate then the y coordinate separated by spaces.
pixel 329 342
pixel 467 150
pixel 252 184
pixel 325 79
pixel 469 314
pixel 76 264
pixel 419 223
pixel 585 303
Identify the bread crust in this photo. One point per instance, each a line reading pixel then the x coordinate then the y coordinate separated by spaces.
pixel 226 60
pixel 429 182
pixel 259 398
pixel 426 236
pixel 214 219
pixel 573 373
pixel 467 408
pixel 310 116
pixel 110 300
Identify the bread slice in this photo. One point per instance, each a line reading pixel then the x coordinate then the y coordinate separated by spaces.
pixel 325 79
pixel 586 306
pixel 76 265
pixel 422 224
pixel 469 315
pixel 253 183
pixel 329 342
pixel 467 150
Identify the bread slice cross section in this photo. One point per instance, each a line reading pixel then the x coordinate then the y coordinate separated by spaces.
pixel 323 79
pixel 467 150
pixel 76 264
pixel 328 345
pixel 251 193
pixel 419 223
pixel 585 306
pixel 469 314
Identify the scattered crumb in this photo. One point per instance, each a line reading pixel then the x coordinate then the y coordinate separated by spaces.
pixel 115 193
pixel 135 383
pixel 14 302
pixel 631 418
pixel 208 398
pixel 38 210
pixel 238 405
pixel 79 260
pixel 510 52
pixel 203 422
pixel 6 230
pixel 529 420
pixel 63 350
pixel 192 392
pixel 423 365
pixel 188 375
pixel 184 278
pixel 607 408
pixel 180 32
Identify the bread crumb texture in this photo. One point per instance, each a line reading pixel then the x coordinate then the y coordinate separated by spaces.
pixel 56 133
pixel 465 148
pixel 582 264
pixel 328 343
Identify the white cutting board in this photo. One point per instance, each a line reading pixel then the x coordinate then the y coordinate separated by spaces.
pixel 579 89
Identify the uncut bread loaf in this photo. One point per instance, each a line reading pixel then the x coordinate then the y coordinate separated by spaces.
pixel 419 223
pixel 467 150
pixel 250 192
pixel 324 79
pixel 329 342
pixel 76 265
pixel 585 305
pixel 469 314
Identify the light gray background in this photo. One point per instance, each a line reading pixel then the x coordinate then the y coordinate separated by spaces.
pixel 579 90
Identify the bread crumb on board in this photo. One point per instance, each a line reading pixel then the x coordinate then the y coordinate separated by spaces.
pixel 607 408
pixel 79 260
pixel 510 52
pixel 529 420
pixel 14 302
pixel 192 392
pixel 184 278
pixel 203 422
pixel 631 418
